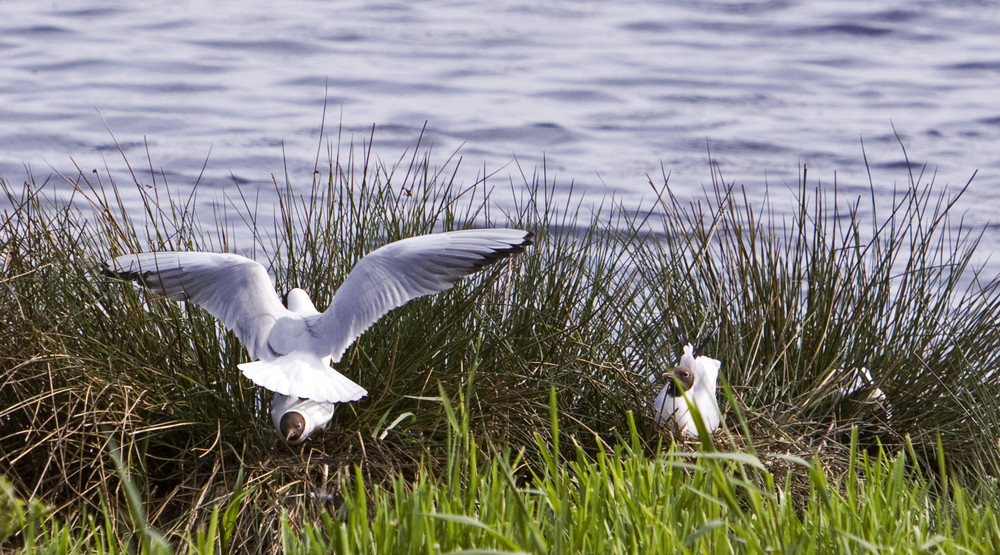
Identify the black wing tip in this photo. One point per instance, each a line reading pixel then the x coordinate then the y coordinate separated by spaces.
pixel 501 253
pixel 519 247
pixel 127 275
pixel 696 349
pixel 108 271
pixel 710 336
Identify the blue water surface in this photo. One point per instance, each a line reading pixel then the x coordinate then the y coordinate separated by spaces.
pixel 607 94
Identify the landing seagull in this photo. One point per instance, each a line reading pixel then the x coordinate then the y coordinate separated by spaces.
pixel 292 348
pixel 692 382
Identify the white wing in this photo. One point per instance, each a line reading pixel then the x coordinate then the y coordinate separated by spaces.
pixel 234 289
pixel 399 272
pixel 292 347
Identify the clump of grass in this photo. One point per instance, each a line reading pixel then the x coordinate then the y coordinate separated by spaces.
pixel 92 360
pixel 802 304
pixel 620 500
pixel 588 314
pixel 16 513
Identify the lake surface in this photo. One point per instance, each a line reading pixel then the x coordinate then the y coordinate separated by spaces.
pixel 605 92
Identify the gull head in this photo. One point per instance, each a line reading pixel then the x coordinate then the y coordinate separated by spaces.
pixel 679 379
pixel 298 301
pixel 296 419
pixel 293 427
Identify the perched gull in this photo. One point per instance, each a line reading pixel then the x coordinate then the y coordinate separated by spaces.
pixel 292 348
pixel 863 384
pixel 693 381
pixel 861 396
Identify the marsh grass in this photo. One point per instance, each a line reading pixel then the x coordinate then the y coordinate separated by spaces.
pixel 520 384
pixel 803 303
pixel 621 500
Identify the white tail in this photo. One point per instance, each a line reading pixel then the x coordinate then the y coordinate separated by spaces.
pixel 303 376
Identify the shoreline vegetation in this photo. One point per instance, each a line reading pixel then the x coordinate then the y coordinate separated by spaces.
pixel 514 412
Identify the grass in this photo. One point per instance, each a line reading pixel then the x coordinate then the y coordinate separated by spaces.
pixel 623 501
pixel 513 412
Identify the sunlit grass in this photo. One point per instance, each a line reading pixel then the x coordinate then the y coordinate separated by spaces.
pixel 618 500
pixel 623 501
pixel 513 412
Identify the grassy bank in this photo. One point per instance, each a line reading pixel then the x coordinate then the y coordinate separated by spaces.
pixel 125 423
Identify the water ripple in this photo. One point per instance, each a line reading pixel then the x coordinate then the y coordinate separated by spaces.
pixel 603 92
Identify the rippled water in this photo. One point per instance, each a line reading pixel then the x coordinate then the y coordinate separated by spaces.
pixel 607 92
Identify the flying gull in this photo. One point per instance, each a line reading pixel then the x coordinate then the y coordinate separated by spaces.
pixel 292 348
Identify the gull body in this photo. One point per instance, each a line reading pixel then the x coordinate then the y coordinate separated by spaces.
pixel 293 347
pixel 691 383
pixel 297 418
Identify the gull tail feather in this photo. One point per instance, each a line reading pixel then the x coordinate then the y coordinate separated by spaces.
pixel 303 376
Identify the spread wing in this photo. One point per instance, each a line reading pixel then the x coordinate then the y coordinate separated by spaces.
pixel 234 289
pixel 404 270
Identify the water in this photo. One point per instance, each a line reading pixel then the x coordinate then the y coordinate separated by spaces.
pixel 606 92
